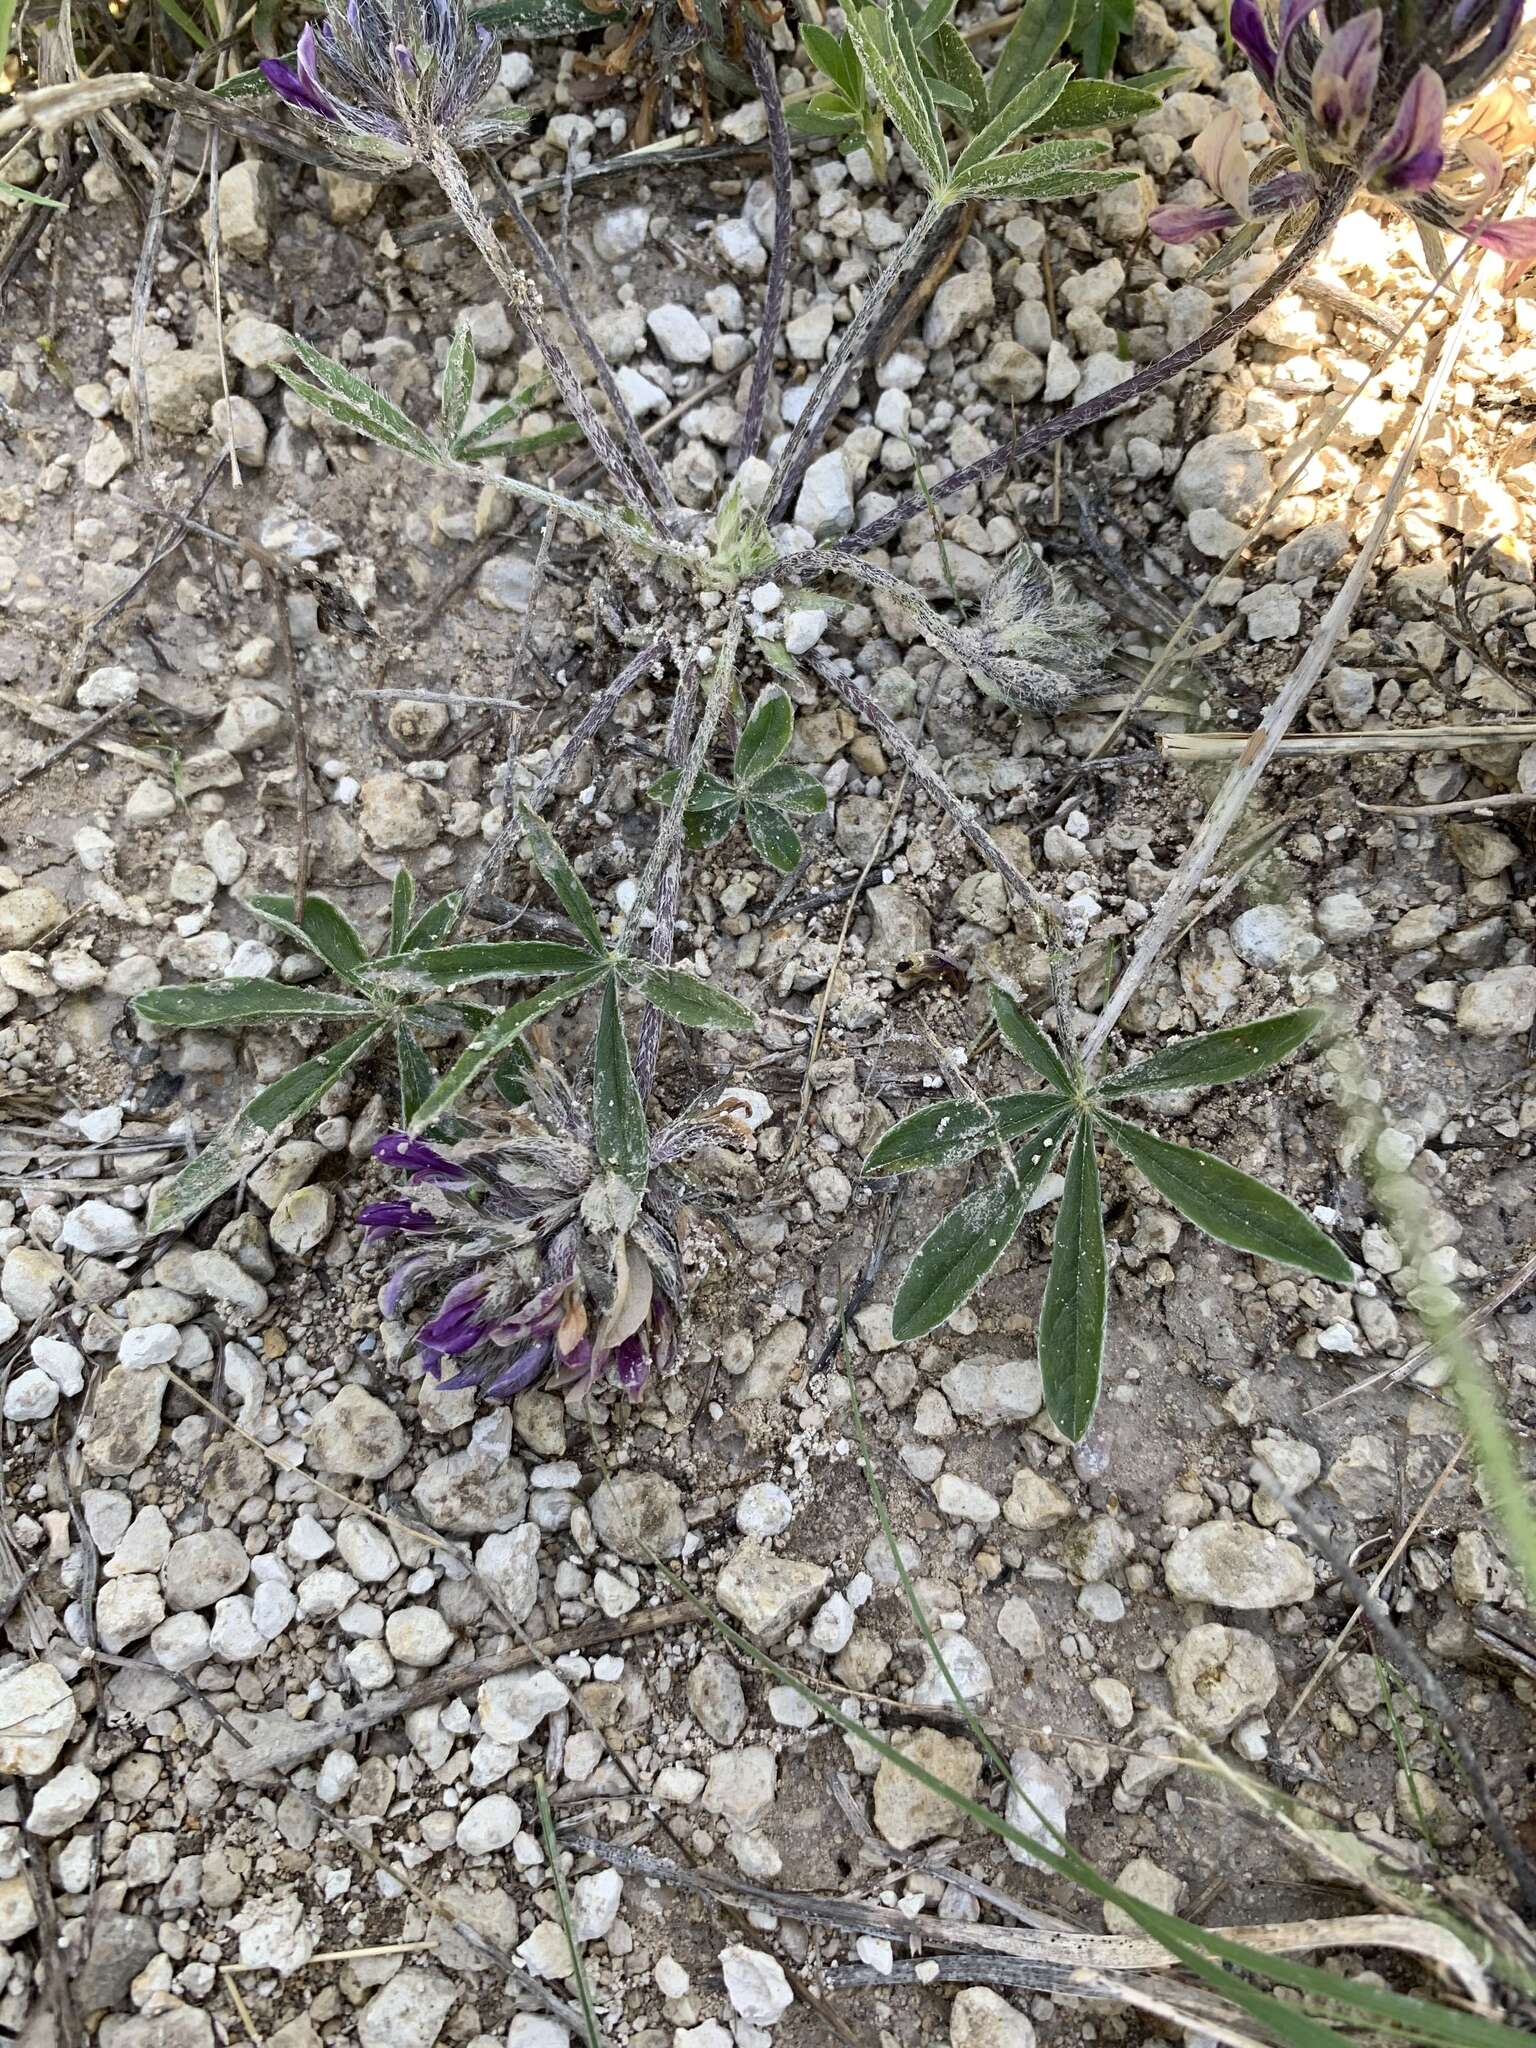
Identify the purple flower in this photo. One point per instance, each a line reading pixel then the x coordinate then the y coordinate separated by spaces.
pixel 392 76
pixel 1344 76
pixel 508 1281
pixel 420 1161
pixel 1251 33
pixel 1514 240
pixel 1411 155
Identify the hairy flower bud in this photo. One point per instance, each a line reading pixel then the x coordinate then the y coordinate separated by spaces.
pixel 1035 643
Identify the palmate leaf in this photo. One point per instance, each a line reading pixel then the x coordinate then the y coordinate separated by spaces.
pixel 1215 1057
pixel 1076 1304
pixel 949 1133
pixel 1227 1204
pixel 223 1005
pixel 955 1258
pixel 236 1149
pixel 619 1134
pixel 1024 1038
pixel 1037 34
pixel 764 737
pixel 323 930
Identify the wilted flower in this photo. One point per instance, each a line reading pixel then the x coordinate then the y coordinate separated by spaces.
pixel 1034 642
pixel 1365 90
pixel 525 1259
pixel 394 75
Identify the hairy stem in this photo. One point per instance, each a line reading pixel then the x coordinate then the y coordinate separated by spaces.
pixel 449 171
pixel 1232 798
pixel 634 442
pixel 1036 439
pixel 766 79
pixel 717 694
pixel 829 384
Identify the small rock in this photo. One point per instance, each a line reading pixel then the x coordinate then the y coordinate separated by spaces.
pixel 1275 936
pixel 356 1435
pixel 37 1718
pixel 1038 1798
pixel 512 1705
pixel 742 1786
pixel 29 1280
pixel 1219 1676
pixel 755 1984
pixel 979 2018
pixel 964 298
pixel 398 814
pixel 409 2012
pixel 767 1594
pixel 27 915
pixel 1226 473
pixel 245 208
pixel 716 1697
pixel 621 233
pixel 490 1824
pixel 639 1515
pixel 1235 1564
pixel 63 1802
pixel 679 334
pixel 203 1568
pixel 907 1812
pixel 824 506
pixel 1145 1880
pixel 1034 1503
pixel 1498 1005
pixel 993 1390
pixel 125 1421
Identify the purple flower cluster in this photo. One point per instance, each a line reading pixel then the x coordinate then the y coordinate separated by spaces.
pixel 514 1278
pixel 391 73
pixel 1365 90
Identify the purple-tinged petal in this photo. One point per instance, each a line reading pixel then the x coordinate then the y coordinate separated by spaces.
pixel 395 1289
pixel 1411 155
pixel 1251 33
pixel 1514 240
pixel 401 1214
pixel 405 63
pixel 420 1161
pixel 1189 223
pixel 1344 76
pixel 288 85
pixel 631 1367
pixel 1222 161
pixel 521 1373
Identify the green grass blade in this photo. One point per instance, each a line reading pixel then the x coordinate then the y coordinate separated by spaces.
pixel 1076 1306
pixel 1228 1205
pixel 1216 1057
pixel 552 1851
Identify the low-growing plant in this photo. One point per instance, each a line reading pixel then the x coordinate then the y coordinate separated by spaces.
pixel 1028 1129
pixel 764 788
pixel 410 990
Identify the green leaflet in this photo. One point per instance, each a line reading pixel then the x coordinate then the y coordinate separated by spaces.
pixel 222 1005
pixel 1024 1038
pixel 323 930
pixel 481 960
pixel 1229 1205
pixel 619 1134
pixel 458 383
pixel 1039 32
pixel 949 1133
pixel 1217 1056
pixel 687 999
pixel 1076 1304
pixel 568 887
pixel 493 1041
pixel 243 1141
pixel 764 737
